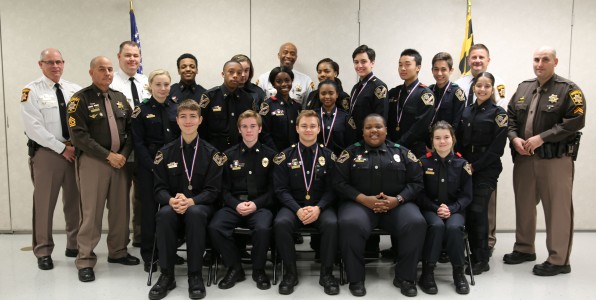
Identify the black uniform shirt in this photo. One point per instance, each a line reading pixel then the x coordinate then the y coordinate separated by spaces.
pixel 170 176
pixel 256 93
pixel 449 104
pixel 279 122
pixel 247 175
pixel 453 173
pixel 149 129
pixel 416 112
pixel 389 168
pixel 220 110
pixel 343 132
pixel 314 102
pixel 368 96
pixel 288 178
pixel 182 91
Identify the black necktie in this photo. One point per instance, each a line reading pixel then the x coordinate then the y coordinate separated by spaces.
pixel 135 94
pixel 62 108
pixel 470 99
pixel 308 159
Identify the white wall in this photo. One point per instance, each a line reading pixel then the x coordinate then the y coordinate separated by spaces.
pixel 215 30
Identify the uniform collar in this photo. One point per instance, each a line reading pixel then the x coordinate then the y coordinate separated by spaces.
pixel 185 86
pixel 125 76
pixel 244 148
pixel 435 156
pixel 366 78
pixel 381 148
pixel 49 82
pixel 226 91
pixel 547 85
pixel 409 87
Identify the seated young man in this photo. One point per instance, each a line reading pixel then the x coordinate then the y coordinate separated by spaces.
pixel 302 183
pixel 247 195
pixel 187 181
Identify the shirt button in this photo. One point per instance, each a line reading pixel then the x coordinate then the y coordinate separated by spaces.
pixel 250 172
pixel 442 180
pixel 376 167
pixel 307 172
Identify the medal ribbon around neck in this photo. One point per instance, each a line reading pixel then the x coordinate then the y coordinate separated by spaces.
pixel 308 184
pixel 405 101
pixel 441 101
pixel 189 177
pixel 353 100
pixel 326 141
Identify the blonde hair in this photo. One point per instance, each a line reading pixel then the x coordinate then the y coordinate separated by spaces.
pixel 156 73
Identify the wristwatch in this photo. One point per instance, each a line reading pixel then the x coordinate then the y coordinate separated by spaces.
pixel 400 199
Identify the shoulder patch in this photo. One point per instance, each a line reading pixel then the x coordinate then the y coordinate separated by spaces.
pixel 136 112
pixel 428 98
pixel 158 158
pixel 459 94
pixel 333 156
pixel 257 82
pixel 73 104
pixel 343 156
pixel 345 103
pixel 220 158
pixel 204 101
pixel 264 109
pixel 352 123
pixel 501 90
pixel 577 97
pixel 468 168
pixel 312 86
pixel 381 92
pixel 25 95
pixel 72 122
pixel 502 120
pixel 279 158
pixel 412 157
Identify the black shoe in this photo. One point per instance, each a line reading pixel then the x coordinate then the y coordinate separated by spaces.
pixel 71 252
pixel 517 257
pixel 357 289
pixel 261 278
pixel 548 269
pixel 427 279
pixel 330 284
pixel 127 260
pixel 149 265
pixel 86 275
pixel 179 260
pixel 444 257
pixel 460 281
pixel 298 239
pixel 407 288
pixel 286 286
pixel 45 263
pixel 165 283
pixel 232 276
pixel 196 288
pixel 478 268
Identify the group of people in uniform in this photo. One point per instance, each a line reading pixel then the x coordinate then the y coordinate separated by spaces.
pixel 420 162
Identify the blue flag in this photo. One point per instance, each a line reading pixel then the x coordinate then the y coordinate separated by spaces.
pixel 135 36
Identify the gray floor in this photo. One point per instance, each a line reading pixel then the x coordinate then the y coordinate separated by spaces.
pixel 21 279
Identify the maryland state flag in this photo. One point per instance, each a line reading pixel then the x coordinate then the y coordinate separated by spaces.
pixel 464 66
pixel 135 36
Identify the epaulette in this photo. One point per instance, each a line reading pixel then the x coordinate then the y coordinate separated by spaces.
pixel 422 85
pixel 396 145
pixel 145 101
pixel 458 154
pixel 357 144
pixel 429 154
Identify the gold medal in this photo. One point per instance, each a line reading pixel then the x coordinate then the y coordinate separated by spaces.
pixel 397 128
pixel 307 197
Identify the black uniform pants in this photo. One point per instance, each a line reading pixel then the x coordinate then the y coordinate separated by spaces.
pixel 168 223
pixel 221 231
pixel 477 221
pixel 406 225
pixel 451 231
pixel 286 223
pixel 148 210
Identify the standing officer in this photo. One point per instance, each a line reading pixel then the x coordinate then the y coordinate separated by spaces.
pixel 411 106
pixel 134 86
pixel 302 183
pixel 479 60
pixel 187 180
pixel 248 71
pixel 187 88
pixel 153 126
pixel 43 108
pixel 450 99
pixel 302 84
pixel 99 122
pixel 545 115
pixel 369 95
pixel 221 107
pixel 378 181
pixel 247 195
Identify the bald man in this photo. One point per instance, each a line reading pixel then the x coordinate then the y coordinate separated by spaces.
pixel 100 126
pixel 43 108
pixel 545 116
pixel 302 84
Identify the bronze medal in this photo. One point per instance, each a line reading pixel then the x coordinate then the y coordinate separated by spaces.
pixel 307 197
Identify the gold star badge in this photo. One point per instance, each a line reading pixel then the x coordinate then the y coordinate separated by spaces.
pixel 553 98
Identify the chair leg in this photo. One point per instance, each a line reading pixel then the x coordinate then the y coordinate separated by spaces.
pixel 216 267
pixel 342 278
pixel 152 261
pixel 274 262
pixel 467 243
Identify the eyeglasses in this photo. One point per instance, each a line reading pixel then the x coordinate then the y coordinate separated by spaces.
pixel 53 62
